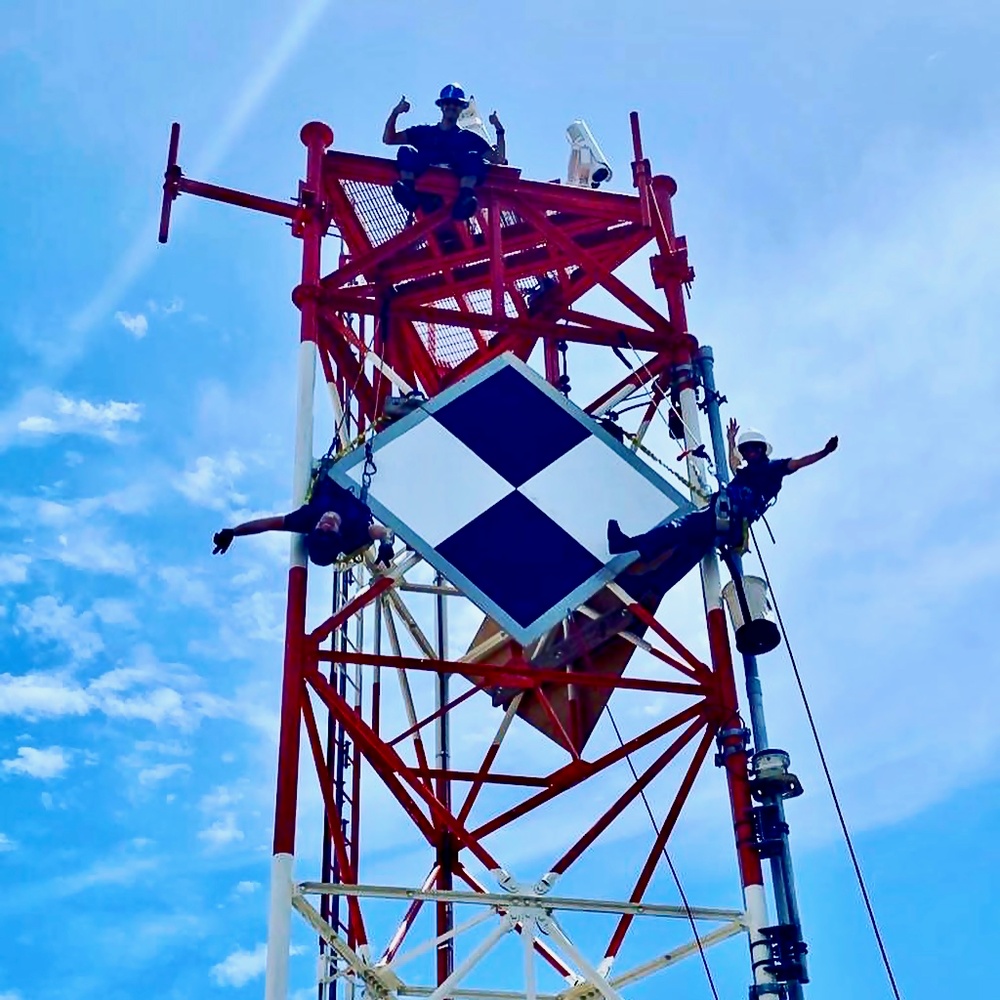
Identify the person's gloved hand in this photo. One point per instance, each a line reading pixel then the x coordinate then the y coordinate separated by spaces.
pixel 831 445
pixel 223 539
pixel 384 553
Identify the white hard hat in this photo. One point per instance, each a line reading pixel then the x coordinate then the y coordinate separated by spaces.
pixel 753 436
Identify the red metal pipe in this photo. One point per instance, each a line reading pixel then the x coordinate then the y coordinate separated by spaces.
pixel 527 678
pixel 390 767
pixel 736 760
pixel 171 175
pixel 334 820
pixel 667 827
pixel 704 674
pixel 288 735
pixel 454 703
pixel 578 771
pixel 622 802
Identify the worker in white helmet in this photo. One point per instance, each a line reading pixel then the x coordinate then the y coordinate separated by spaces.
pixel 756 476
pixel 754 487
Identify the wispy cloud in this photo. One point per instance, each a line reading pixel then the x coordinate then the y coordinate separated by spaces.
pixel 47 619
pixel 210 482
pixel 149 776
pixel 14 569
pixel 6 844
pixel 240 967
pixel 43 413
pixel 50 762
pixel 152 692
pixel 219 805
pixel 135 323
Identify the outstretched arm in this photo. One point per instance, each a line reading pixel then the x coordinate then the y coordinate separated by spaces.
pixel 794 464
pixel 735 458
pixel 224 538
pixel 389 134
pixel 500 149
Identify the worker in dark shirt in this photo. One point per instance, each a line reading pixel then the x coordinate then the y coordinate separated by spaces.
pixel 445 144
pixel 754 487
pixel 334 521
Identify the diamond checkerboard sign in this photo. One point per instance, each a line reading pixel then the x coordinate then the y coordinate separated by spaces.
pixel 506 487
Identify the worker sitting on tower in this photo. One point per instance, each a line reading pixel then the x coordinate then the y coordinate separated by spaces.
pixel 754 487
pixel 334 521
pixel 445 144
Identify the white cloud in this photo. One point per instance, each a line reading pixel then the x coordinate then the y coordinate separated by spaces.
pixel 90 549
pixel 6 844
pixel 240 967
pixel 141 692
pixel 260 616
pixel 160 772
pixel 40 695
pixel 117 872
pixel 44 412
pixel 52 762
pixel 223 831
pixel 114 611
pixel 14 569
pixel 211 481
pixel 246 888
pixel 46 618
pixel 175 305
pixel 184 587
pixel 11 995
pixel 135 323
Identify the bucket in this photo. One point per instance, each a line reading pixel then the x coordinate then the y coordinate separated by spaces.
pixel 755 630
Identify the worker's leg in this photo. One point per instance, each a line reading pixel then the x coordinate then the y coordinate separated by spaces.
pixel 412 163
pixel 695 527
pixel 471 169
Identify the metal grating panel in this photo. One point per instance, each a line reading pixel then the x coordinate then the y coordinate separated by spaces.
pixel 376 209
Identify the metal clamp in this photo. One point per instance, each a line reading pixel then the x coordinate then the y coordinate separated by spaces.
pixel 727 750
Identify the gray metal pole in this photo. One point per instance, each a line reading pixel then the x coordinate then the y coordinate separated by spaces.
pixel 782 875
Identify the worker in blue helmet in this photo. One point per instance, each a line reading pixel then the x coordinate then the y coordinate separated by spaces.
pixel 334 521
pixel 445 144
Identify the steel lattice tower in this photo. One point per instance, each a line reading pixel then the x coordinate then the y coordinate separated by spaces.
pixel 417 304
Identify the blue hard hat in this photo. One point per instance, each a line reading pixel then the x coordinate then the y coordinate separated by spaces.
pixel 452 93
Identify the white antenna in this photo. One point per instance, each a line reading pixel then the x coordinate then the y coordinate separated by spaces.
pixel 588 166
pixel 471 120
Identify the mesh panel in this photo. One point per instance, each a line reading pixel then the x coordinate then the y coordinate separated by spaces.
pixel 376 209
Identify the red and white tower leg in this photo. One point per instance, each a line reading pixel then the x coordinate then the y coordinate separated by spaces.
pixel 732 743
pixel 316 137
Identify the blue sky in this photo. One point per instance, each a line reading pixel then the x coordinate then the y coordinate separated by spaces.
pixel 840 191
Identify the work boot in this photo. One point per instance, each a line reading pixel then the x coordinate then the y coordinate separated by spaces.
pixel 406 195
pixel 385 553
pixel 618 541
pixel 465 205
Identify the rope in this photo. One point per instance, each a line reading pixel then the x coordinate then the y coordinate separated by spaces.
pixel 670 864
pixel 829 781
